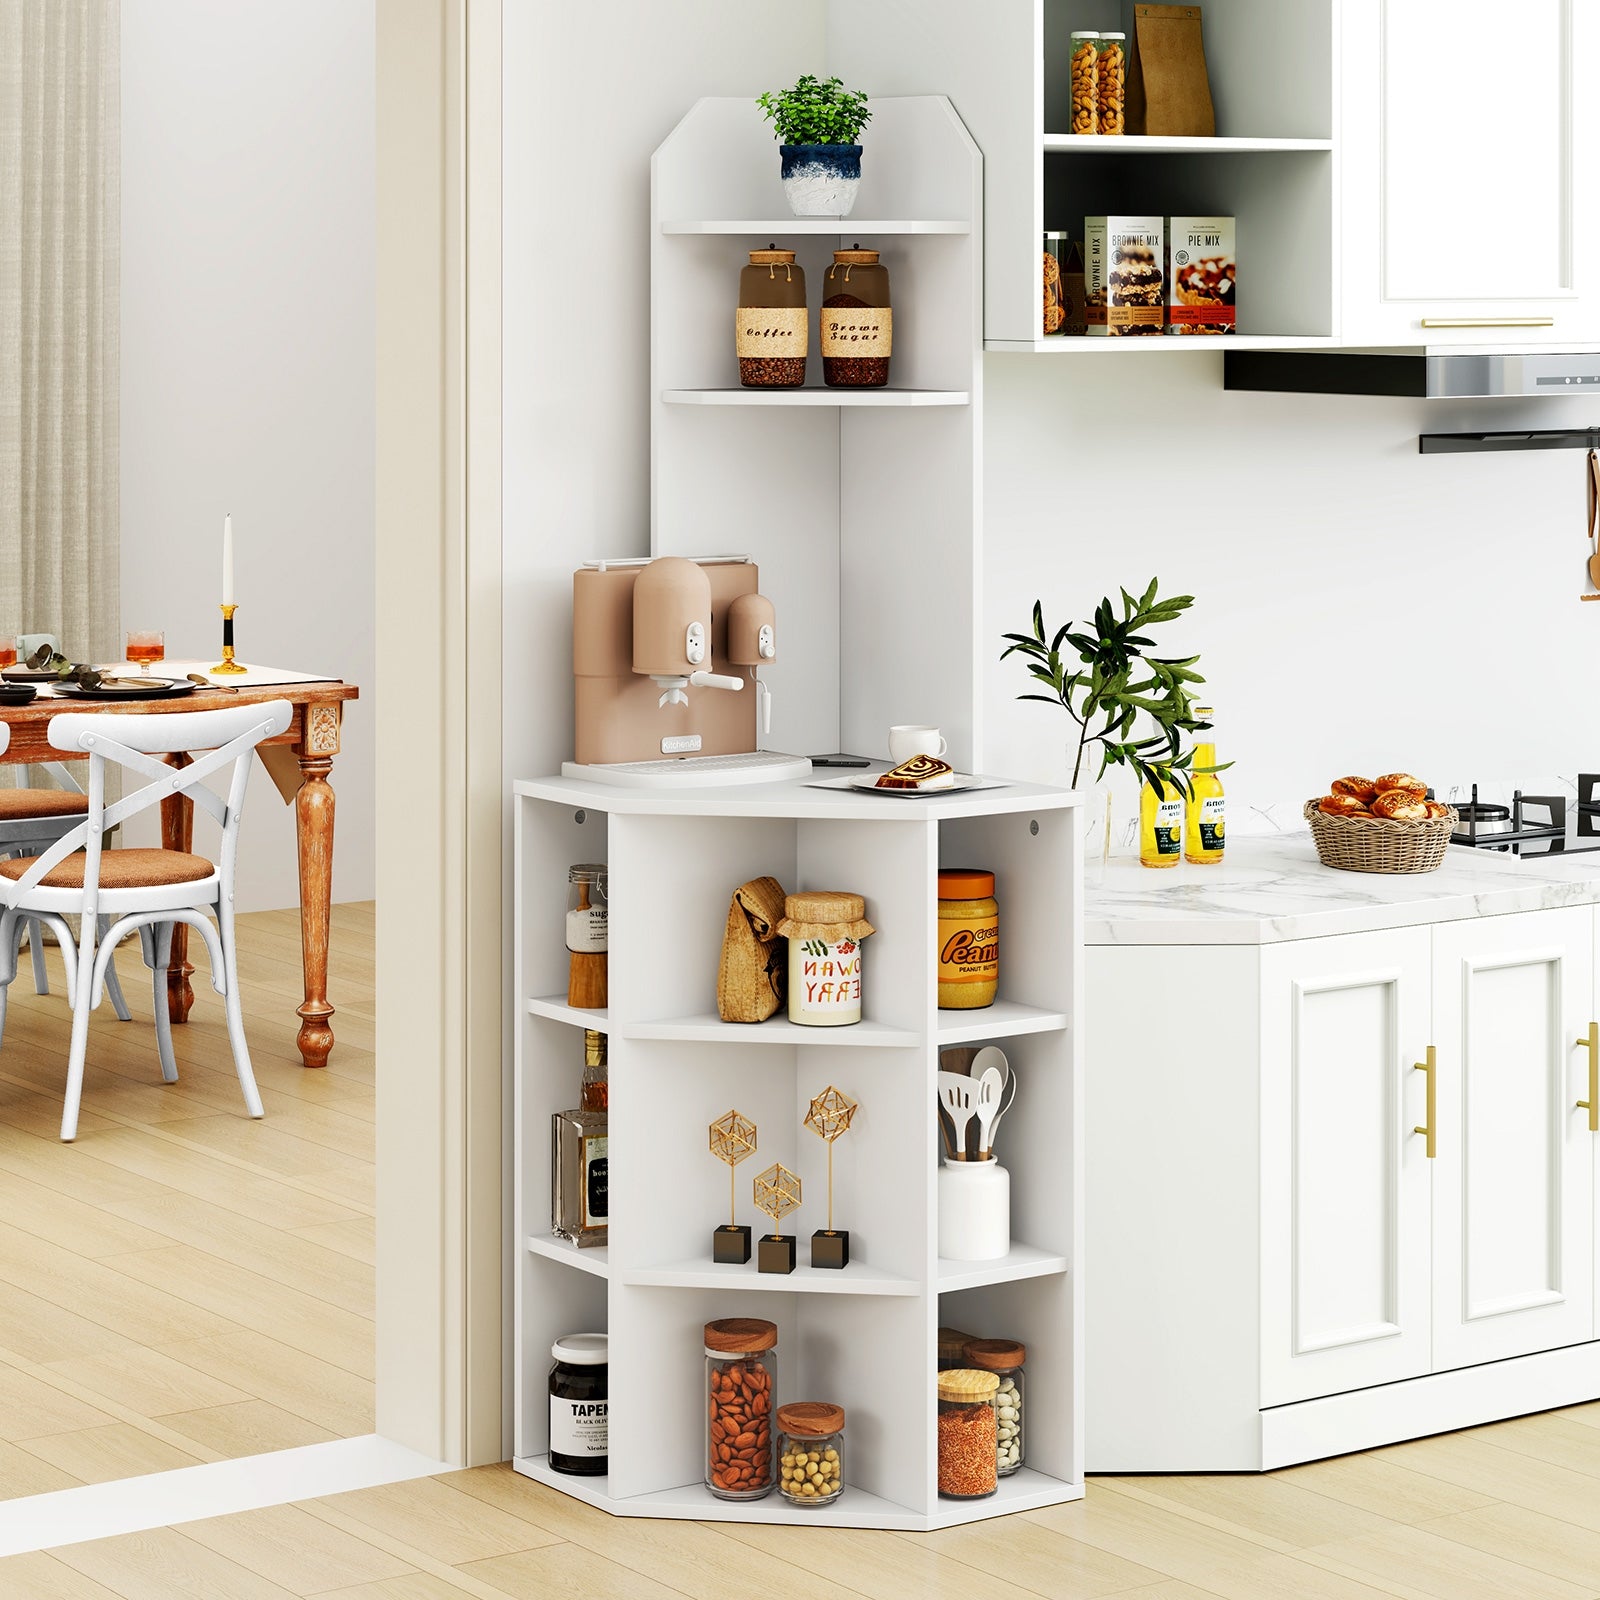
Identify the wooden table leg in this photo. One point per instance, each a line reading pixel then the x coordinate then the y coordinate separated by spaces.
pixel 177 833
pixel 314 830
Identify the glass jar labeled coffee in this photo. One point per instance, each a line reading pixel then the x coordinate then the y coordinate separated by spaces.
pixel 857 324
pixel 772 332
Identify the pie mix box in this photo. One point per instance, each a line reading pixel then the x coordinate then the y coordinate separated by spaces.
pixel 1123 272
pixel 1201 274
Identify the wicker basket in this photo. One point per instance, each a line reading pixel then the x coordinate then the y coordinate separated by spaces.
pixel 1377 844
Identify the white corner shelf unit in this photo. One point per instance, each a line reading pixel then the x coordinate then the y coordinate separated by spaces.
pixel 863 1337
pixel 1273 164
pixel 861 507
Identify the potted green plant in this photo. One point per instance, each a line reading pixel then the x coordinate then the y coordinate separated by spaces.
pixel 817 123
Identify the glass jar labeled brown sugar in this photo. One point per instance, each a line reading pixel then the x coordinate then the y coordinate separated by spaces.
pixel 856 322
pixel 772 332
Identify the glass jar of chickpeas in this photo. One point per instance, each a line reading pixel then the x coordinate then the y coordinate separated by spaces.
pixel 810 1452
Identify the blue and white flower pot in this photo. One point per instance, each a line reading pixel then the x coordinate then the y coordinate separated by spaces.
pixel 820 180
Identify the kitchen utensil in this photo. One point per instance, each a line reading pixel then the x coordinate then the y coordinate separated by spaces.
pixel 990 1088
pixel 1007 1099
pixel 206 683
pixel 991 1058
pixel 957 1096
pixel 1592 479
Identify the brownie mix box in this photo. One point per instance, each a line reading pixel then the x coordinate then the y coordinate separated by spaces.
pixel 1201 274
pixel 1123 272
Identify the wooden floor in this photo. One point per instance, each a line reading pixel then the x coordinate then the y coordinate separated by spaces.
pixel 184 1284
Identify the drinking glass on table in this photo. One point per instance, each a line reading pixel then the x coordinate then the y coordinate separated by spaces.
pixel 8 650
pixel 146 646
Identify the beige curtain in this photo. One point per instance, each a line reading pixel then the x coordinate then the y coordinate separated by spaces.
pixel 59 250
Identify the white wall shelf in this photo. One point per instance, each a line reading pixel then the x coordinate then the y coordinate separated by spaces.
pixel 863 1336
pixel 555 1007
pixel 1102 347
pixel 825 227
pixel 1146 144
pixel 887 396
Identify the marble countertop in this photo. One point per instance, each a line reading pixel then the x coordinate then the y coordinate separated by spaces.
pixel 1272 889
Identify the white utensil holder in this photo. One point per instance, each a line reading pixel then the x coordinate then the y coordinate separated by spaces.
pixel 974 1210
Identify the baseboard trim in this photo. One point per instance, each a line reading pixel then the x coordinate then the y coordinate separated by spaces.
pixel 190 1494
pixel 1439 1403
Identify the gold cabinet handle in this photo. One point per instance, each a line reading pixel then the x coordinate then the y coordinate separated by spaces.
pixel 1431 1127
pixel 1487 322
pixel 1592 1104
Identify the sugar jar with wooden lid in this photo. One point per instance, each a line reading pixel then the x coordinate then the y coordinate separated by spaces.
pixel 741 1390
pixel 856 323
pixel 772 331
pixel 811 1452
pixel 825 928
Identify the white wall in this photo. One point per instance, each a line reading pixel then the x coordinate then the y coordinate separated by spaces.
pixel 247 362
pixel 1359 607
pixel 590 91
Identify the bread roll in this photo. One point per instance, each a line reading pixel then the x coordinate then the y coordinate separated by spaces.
pixel 1413 786
pixel 1437 809
pixel 1400 805
pixel 1342 805
pixel 1362 789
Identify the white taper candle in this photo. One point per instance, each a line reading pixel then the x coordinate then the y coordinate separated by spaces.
pixel 227 560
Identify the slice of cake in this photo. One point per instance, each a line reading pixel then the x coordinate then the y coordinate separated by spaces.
pixel 920 772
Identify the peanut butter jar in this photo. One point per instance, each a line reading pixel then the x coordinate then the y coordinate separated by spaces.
pixel 968 952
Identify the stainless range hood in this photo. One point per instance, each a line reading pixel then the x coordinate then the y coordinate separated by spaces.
pixel 1418 374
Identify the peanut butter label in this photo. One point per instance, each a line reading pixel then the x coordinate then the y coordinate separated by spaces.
pixel 856 330
pixel 969 952
pixel 771 332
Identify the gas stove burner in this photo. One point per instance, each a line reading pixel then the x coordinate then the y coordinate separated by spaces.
pixel 1533 824
pixel 1483 812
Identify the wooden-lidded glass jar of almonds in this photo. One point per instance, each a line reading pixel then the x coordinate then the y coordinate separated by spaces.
pixel 969 1466
pixel 825 929
pixel 772 331
pixel 811 1452
pixel 856 323
pixel 741 1386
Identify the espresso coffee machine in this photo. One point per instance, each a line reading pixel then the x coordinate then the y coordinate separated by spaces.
pixel 666 658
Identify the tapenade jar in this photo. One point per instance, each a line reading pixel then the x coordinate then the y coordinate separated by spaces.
pixel 968 953
pixel 811 1452
pixel 578 1385
pixel 741 1385
pixel 772 331
pixel 968 1440
pixel 856 322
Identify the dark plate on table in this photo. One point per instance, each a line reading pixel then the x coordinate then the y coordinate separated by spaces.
pixel 28 675
pixel 128 689
pixel 16 694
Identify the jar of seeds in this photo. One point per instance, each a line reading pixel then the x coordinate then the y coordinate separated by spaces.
pixel 1004 1358
pixel 772 332
pixel 810 1452
pixel 968 1441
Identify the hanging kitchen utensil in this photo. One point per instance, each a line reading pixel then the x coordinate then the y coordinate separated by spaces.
pixel 1592 479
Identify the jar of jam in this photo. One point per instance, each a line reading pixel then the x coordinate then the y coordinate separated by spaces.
pixel 968 951
pixel 578 1384
pixel 771 331
pixel 856 322
pixel 824 929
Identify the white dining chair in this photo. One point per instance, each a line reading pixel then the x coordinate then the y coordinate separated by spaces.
pixel 141 890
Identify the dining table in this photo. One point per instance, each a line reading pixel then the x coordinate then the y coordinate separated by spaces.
pixel 299 762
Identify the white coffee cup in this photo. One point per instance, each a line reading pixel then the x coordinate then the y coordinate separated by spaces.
pixel 909 739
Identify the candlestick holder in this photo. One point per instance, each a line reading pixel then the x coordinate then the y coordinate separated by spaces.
pixel 733 1137
pixel 830 1116
pixel 228 667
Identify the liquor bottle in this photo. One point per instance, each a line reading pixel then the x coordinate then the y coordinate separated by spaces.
pixel 579 1158
pixel 1203 838
pixel 1160 825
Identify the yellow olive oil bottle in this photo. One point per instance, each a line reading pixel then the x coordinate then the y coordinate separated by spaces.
pixel 1160 825
pixel 1204 838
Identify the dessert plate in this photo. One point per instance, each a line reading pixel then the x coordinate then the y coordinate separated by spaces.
pixel 868 784
pixel 127 689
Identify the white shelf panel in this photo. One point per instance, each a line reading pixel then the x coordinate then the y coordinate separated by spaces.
pixel 857 1278
pixel 1005 1019
pixel 1082 345
pixel 855 1508
pixel 1024 1490
pixel 1023 1261
pixel 776 228
pixel 887 396
pixel 595 1259
pixel 709 1028
pixel 1150 144
pixel 555 1007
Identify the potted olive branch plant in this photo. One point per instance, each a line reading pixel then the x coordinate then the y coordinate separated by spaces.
pixel 1115 683
pixel 818 123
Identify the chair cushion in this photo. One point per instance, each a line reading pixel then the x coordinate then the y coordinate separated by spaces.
pixel 120 869
pixel 19 805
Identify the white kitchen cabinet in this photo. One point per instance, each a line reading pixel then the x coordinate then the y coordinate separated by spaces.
pixel 1345 1222
pixel 1467 139
pixel 1513 1185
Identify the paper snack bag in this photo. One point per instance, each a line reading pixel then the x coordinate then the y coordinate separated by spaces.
pixel 1169 90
